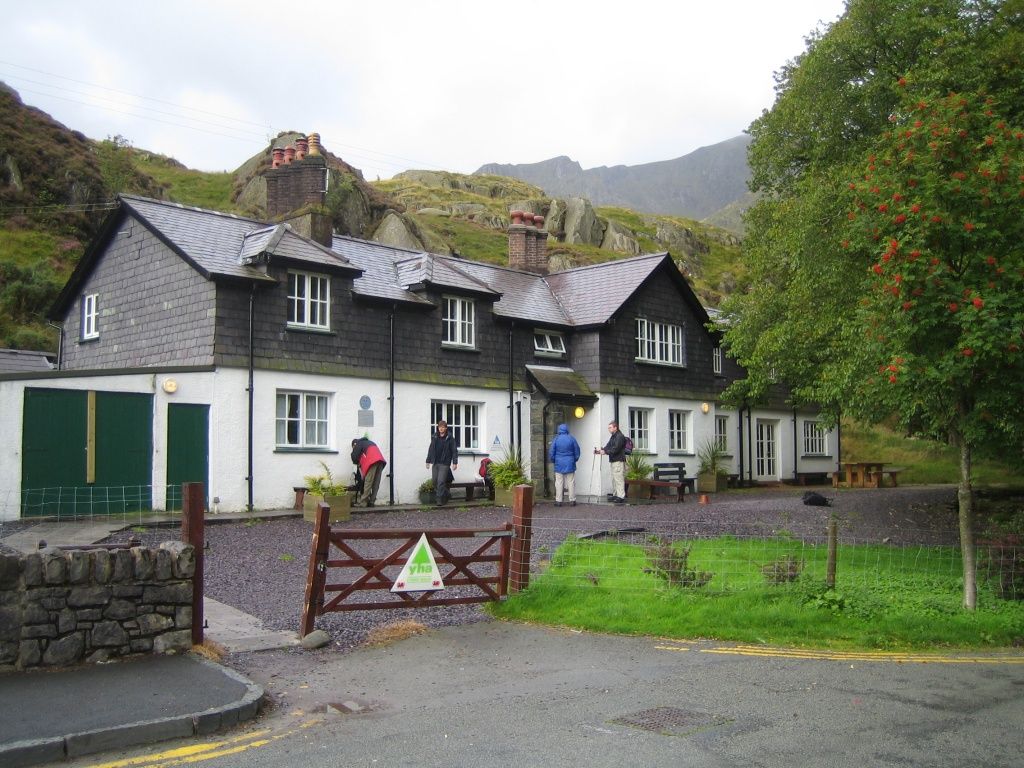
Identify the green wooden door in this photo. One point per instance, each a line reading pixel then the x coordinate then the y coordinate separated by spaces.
pixel 187 448
pixel 53 451
pixel 124 452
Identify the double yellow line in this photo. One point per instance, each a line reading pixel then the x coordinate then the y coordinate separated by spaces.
pixel 197 753
pixel 873 656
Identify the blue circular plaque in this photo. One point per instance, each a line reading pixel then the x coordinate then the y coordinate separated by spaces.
pixel 364 402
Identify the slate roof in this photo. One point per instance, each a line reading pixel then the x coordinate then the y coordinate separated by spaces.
pixel 17 360
pixel 224 245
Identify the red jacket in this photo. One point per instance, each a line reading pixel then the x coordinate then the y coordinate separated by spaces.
pixel 370 455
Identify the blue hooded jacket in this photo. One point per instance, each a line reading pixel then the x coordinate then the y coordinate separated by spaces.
pixel 565 451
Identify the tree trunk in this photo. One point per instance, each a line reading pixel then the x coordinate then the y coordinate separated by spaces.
pixel 965 497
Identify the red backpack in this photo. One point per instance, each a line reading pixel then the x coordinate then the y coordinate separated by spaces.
pixel 483 467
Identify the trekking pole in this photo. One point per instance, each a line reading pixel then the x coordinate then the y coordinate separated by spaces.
pixel 592 475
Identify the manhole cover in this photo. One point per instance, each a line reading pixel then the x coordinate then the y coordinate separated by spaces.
pixel 671 721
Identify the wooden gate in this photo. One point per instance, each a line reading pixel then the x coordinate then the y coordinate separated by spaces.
pixel 324 595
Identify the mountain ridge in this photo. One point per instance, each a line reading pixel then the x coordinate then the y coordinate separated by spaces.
pixel 697 185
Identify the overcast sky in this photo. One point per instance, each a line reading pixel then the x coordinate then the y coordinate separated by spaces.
pixel 393 85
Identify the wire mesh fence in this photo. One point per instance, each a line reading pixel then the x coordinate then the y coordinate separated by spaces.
pixel 130 503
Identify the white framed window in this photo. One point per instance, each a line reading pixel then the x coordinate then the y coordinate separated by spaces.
pixel 640 420
pixel 302 420
pixel 679 431
pixel 659 343
pixel 548 343
pixel 463 422
pixel 309 300
pixel 458 322
pixel 91 316
pixel 814 439
pixel 716 361
pixel 722 433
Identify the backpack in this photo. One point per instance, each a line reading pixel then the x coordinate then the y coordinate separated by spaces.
pixel 629 445
pixel 484 463
pixel 813 499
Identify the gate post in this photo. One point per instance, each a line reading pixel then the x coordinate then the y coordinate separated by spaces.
pixel 317 574
pixel 193 501
pixel 522 525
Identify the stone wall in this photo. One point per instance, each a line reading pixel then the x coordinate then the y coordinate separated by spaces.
pixel 62 607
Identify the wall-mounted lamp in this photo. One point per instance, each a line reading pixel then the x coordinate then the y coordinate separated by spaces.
pixel 170 386
pixel 705 407
pixel 579 412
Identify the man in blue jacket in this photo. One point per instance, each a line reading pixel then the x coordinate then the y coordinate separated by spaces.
pixel 564 454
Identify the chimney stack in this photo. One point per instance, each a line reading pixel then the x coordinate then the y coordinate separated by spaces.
pixel 527 243
pixel 297 181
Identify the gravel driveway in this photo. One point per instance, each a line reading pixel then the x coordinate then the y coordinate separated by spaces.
pixel 260 566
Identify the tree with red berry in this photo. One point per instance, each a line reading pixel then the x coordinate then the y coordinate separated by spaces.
pixel 936 219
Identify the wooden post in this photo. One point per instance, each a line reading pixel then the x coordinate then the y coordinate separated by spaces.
pixel 316 576
pixel 830 568
pixel 193 503
pixel 522 526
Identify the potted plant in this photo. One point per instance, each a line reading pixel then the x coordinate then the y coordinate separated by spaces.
pixel 637 468
pixel 507 473
pixel 426 491
pixel 324 488
pixel 711 476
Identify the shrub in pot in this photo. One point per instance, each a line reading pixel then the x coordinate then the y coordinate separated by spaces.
pixel 637 468
pixel 507 473
pixel 324 488
pixel 712 475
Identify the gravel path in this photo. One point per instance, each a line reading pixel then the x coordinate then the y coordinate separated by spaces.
pixel 260 566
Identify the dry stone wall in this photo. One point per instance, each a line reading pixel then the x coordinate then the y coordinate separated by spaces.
pixel 61 607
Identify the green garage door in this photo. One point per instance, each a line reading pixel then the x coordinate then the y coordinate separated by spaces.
pixel 86 453
pixel 187 448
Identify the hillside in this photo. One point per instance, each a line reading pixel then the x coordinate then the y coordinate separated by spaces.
pixel 56 186
pixel 695 186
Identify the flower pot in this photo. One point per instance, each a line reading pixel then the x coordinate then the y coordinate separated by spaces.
pixel 341 506
pixel 635 491
pixel 426 497
pixel 711 482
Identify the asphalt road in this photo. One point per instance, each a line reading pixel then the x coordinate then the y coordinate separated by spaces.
pixel 500 694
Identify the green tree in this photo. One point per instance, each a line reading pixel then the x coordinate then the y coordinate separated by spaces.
pixel 801 320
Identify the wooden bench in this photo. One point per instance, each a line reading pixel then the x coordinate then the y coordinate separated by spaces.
pixel 733 481
pixel 816 478
pixel 668 476
pixel 471 487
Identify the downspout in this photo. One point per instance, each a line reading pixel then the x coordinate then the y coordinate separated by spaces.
pixel 511 394
pixel 252 313
pixel 544 429
pixel 60 342
pixel 391 406
pixel 750 446
pixel 519 427
pixel 796 475
pixel 616 394
pixel 739 428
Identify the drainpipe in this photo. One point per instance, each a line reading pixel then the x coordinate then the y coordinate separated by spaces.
pixel 511 395
pixel 750 446
pixel 252 312
pixel 616 393
pixel 519 427
pixel 391 405
pixel 739 429
pixel 796 475
pixel 60 342
pixel 544 430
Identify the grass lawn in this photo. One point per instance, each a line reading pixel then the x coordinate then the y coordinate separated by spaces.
pixel 889 598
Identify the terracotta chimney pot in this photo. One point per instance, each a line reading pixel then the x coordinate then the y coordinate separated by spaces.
pixel 277 157
pixel 301 148
pixel 538 221
pixel 314 144
pixel 517 217
pixel 289 154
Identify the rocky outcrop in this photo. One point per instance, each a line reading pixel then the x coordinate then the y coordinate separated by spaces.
pixel 394 231
pixel 620 238
pixel 581 224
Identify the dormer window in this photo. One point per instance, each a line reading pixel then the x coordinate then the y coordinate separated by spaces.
pixel 548 344
pixel 309 300
pixel 458 322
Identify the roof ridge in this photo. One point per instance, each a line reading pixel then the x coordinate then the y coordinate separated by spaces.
pixel 195 209
pixel 611 263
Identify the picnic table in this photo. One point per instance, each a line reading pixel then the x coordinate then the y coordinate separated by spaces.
pixel 864 474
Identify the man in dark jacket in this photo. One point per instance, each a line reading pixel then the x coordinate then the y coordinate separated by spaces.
pixel 367 456
pixel 442 458
pixel 564 454
pixel 615 450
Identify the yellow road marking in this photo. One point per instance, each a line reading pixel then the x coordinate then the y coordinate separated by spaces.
pixel 196 753
pixel 888 656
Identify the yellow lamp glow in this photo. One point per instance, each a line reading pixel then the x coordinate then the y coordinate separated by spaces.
pixel 580 410
pixel 704 407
